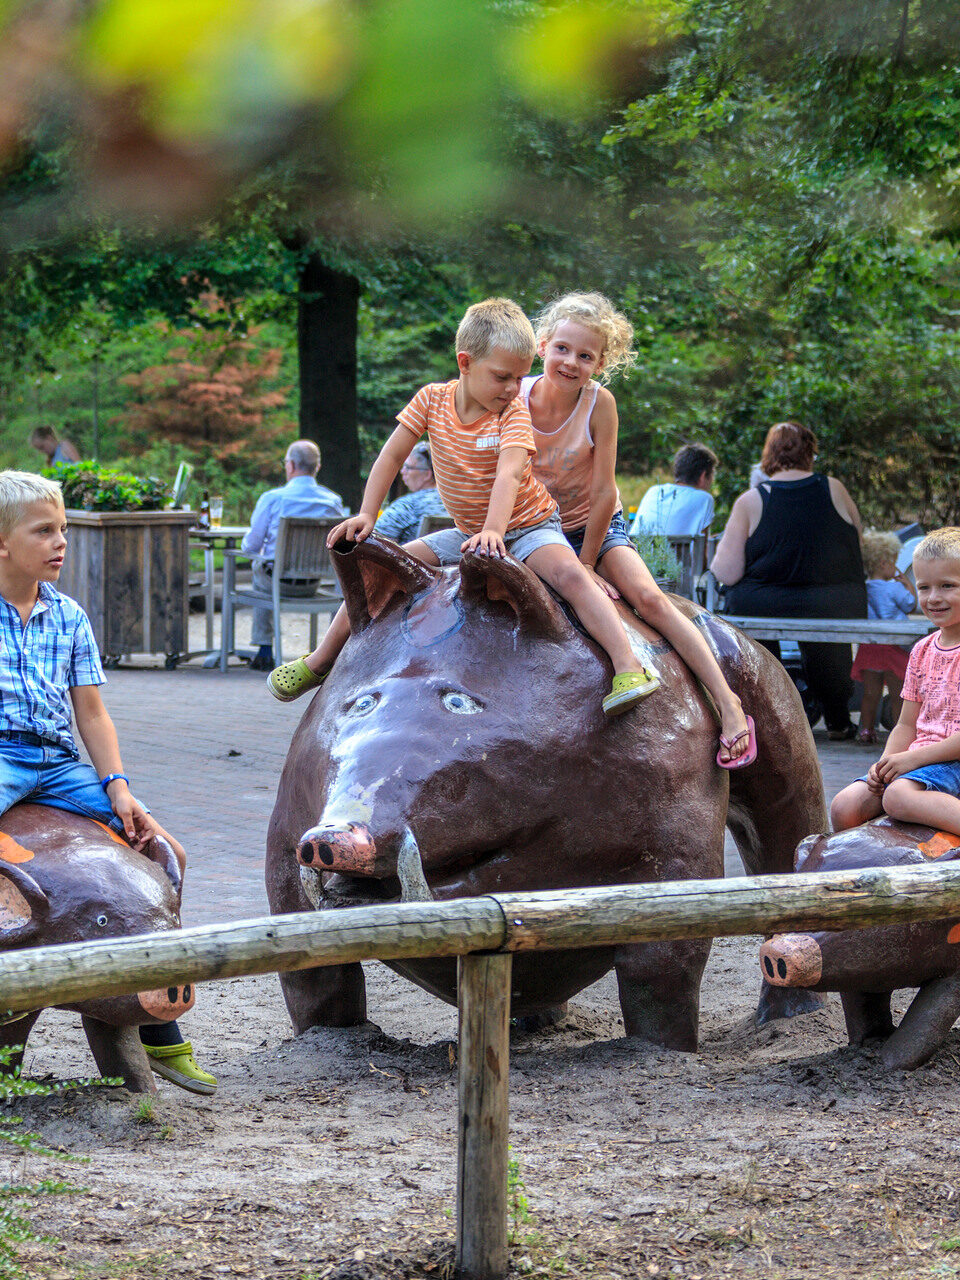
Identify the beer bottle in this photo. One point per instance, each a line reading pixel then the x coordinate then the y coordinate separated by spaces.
pixel 203 519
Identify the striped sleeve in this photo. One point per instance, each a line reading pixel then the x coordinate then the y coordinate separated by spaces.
pixel 414 416
pixel 516 428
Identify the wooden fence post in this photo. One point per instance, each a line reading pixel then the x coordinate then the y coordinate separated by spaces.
pixel 484 1063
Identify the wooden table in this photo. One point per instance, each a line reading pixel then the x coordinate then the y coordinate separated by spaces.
pixel 226 537
pixel 833 630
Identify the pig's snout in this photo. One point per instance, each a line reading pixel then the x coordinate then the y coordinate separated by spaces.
pixel 350 849
pixel 792 960
pixel 168 1003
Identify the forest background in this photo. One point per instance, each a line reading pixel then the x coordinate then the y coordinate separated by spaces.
pixel 234 224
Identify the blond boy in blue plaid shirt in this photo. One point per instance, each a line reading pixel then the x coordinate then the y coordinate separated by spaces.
pixel 48 664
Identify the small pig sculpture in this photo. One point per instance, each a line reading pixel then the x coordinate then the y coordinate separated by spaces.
pixel 867 965
pixel 458 748
pixel 64 878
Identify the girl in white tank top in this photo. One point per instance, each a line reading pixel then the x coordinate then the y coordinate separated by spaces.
pixel 575 431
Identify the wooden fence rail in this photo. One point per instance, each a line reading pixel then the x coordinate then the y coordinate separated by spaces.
pixel 483 932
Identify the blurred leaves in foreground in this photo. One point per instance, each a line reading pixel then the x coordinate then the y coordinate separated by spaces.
pixel 161 107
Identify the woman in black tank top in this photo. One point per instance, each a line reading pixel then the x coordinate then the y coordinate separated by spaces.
pixel 801 560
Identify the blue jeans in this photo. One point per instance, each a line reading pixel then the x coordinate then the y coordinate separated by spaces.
pixel 50 775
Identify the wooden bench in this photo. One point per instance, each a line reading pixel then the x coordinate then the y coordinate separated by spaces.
pixel 833 630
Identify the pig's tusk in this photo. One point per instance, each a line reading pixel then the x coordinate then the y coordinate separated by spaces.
pixel 413 883
pixel 310 879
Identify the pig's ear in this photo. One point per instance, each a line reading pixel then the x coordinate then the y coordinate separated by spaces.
pixel 23 907
pixel 159 851
pixel 503 578
pixel 372 572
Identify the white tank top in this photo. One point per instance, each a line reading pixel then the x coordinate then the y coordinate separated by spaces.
pixel 564 461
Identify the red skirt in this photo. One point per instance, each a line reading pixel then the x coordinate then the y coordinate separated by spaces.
pixel 879 657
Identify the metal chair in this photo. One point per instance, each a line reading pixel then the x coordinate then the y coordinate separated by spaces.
pixel 430 524
pixel 302 582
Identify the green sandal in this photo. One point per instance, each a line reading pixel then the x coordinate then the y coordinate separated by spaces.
pixel 292 679
pixel 175 1062
pixel 629 688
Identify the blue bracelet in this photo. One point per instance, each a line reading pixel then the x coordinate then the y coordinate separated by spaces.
pixel 112 777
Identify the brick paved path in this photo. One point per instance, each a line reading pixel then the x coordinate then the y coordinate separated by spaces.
pixel 205 751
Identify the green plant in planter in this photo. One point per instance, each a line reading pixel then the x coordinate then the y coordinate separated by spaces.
pixel 659 557
pixel 89 487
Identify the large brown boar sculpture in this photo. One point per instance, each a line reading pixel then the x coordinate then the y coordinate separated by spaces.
pixel 458 747
pixel 64 878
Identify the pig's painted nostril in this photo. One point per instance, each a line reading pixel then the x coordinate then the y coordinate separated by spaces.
pixel 782 968
pixel 186 993
pixel 767 965
pixel 306 853
pixel 172 994
pixel 326 854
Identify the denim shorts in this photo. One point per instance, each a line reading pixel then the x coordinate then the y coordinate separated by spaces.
pixel 521 543
pixel 617 535
pixel 50 775
pixel 944 776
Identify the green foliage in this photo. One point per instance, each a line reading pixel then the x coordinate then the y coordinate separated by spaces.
pixel 14 1226
pixel 518 1206
pixel 657 554
pixel 89 487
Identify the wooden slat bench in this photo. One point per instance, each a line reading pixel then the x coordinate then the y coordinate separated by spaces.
pixel 836 630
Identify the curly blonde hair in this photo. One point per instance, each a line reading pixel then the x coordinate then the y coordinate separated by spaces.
pixel 878 548
pixel 596 312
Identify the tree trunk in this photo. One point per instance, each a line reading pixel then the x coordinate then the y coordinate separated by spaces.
pixel 327 349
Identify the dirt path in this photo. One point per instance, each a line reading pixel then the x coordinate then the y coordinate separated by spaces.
pixel 778 1154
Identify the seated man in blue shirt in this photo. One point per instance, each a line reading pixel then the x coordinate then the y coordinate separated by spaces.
pixel 48 663
pixel 684 508
pixel 401 520
pixel 300 496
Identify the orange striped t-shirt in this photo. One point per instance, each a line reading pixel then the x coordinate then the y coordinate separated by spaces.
pixel 464 458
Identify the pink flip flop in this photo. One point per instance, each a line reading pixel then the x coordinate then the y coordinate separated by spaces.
pixel 749 755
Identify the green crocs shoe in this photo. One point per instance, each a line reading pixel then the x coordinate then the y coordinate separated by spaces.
pixel 289 681
pixel 629 688
pixel 175 1062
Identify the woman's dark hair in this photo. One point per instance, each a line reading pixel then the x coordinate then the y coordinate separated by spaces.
pixel 693 461
pixel 789 446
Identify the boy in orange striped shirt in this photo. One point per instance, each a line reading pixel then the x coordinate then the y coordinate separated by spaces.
pixel 481 444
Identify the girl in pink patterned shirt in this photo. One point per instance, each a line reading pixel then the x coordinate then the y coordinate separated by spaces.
pixel 917 779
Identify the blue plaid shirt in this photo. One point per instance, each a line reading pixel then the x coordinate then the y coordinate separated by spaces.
pixel 41 662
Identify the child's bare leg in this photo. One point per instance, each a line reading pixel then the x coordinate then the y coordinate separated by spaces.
pixel 872 693
pixel 910 802
pixel 854 805
pixel 338 632
pixel 622 567
pixel 560 567
pixel 894 687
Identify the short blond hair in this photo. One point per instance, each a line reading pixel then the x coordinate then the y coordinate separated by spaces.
pixel 940 544
pixel 18 489
pixel 496 322
pixel 596 312
pixel 878 548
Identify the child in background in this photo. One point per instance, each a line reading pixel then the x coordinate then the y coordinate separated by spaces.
pixel 917 779
pixel 575 430
pixel 48 662
pixel 481 445
pixel 890 595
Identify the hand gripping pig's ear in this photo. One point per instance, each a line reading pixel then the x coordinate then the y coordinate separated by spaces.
pixel 23 907
pixel 372 572
pixel 503 578
pixel 159 851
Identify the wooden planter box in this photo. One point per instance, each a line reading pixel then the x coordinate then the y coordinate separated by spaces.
pixel 129 571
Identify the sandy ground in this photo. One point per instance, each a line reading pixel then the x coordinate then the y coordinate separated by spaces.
pixel 778 1153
